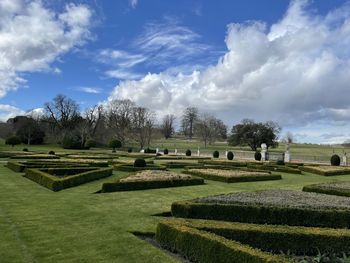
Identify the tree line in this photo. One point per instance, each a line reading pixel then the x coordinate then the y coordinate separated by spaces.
pixel 62 122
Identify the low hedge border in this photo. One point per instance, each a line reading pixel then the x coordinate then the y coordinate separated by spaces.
pixel 276 168
pixel 132 186
pixel 324 173
pixel 54 183
pixel 260 214
pixel 182 157
pixel 181 164
pixel 236 179
pixel 35 156
pixel 319 188
pixel 91 157
pixel 205 247
pixel 276 238
pixel 223 163
pixel 131 168
pixel 20 167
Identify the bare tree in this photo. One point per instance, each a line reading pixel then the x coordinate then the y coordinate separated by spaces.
pixel 207 128
pixel 167 127
pixel 288 138
pixel 143 121
pixel 119 118
pixel 92 117
pixel 189 118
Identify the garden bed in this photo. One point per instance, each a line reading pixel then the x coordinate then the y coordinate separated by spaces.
pixel 270 207
pixel 132 168
pixel 335 188
pixel 232 176
pixel 326 170
pixel 150 179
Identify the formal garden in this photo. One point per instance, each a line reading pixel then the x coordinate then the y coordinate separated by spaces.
pixel 118 206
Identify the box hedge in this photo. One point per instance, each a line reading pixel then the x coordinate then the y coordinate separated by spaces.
pixel 205 247
pixel 46 178
pixel 132 168
pixel 275 168
pixel 142 185
pixel 329 188
pixel 316 170
pixel 21 166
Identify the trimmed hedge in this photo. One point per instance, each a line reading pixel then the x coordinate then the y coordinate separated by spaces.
pixel 21 166
pixel 223 163
pixel 54 183
pixel 142 185
pixel 182 157
pixel 235 179
pixel 230 155
pixel 262 214
pixel 35 156
pixel 132 168
pixel 181 164
pixel 276 238
pixel 313 170
pixel 275 168
pixel 327 188
pixel 205 247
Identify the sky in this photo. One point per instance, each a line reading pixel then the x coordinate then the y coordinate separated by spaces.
pixel 279 60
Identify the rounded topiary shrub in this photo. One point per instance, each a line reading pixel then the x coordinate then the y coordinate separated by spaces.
pixel 115 144
pixel 335 160
pixel 257 156
pixel 216 154
pixel 188 152
pixel 280 162
pixel 13 140
pixel 72 141
pixel 25 150
pixel 51 152
pixel 139 163
pixel 90 143
pixel 166 151
pixel 230 155
pixel 129 150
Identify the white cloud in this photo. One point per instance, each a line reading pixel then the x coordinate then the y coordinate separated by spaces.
pixel 133 3
pixel 92 90
pixel 32 37
pixel 8 111
pixel 296 72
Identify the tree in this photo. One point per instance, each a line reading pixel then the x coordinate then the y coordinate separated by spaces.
pixel 115 144
pixel 189 118
pixel 142 125
pixel 62 114
pixel 13 140
pixel 254 134
pixel 288 138
pixel 208 128
pixel 167 126
pixel 119 118
pixel 28 130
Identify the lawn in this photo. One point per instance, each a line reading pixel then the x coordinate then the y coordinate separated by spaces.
pixel 75 225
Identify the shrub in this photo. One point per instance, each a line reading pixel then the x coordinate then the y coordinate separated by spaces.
pixel 148 150
pixel 230 155
pixel 335 160
pixel 140 163
pixel 25 150
pixel 257 156
pixel 13 140
pixel 90 143
pixel 51 152
pixel 115 144
pixel 188 152
pixel 216 154
pixel 280 162
pixel 166 151
pixel 129 150
pixel 72 141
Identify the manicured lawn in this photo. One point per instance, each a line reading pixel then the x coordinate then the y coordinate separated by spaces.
pixel 75 225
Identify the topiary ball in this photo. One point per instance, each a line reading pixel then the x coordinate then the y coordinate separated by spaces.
pixel 129 150
pixel 139 163
pixel 51 152
pixel 166 151
pixel 230 155
pixel 280 162
pixel 188 152
pixel 25 150
pixel 216 154
pixel 335 160
pixel 257 156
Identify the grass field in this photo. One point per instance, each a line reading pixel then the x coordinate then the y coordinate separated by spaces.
pixel 75 225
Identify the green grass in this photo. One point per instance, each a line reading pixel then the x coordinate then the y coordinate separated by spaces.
pixel 75 225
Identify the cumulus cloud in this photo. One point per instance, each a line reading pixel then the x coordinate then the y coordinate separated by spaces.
pixel 295 71
pixel 8 111
pixel 33 36
pixel 91 90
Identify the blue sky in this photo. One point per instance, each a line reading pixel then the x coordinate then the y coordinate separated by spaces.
pixel 219 56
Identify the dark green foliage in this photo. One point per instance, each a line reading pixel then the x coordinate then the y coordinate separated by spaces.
pixel 275 168
pixel 28 130
pixel 115 144
pixel 129 150
pixel 335 160
pixel 336 188
pixel 206 247
pixel 140 163
pixel 188 152
pixel 310 169
pixel 230 156
pixel 72 141
pixel 260 214
pixel 51 152
pixel 142 185
pixel 132 168
pixel 216 154
pixel 90 144
pixel 257 156
pixel 55 183
pixel 166 151
pixel 13 140
pixel 280 162
pixel 148 150
pixel 25 150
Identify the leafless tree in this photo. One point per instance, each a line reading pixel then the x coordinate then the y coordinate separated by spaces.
pixel 143 122
pixel 167 127
pixel 189 118
pixel 208 128
pixel 92 118
pixel 288 138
